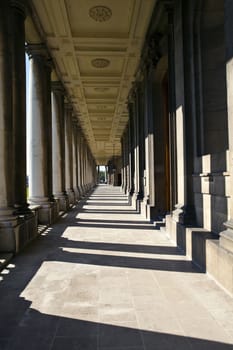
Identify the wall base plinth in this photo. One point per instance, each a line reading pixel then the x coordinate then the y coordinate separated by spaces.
pixel 17 232
pixel 48 213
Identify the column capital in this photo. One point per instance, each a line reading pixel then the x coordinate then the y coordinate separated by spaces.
pixel 39 51
pixel 152 54
pixel 74 119
pixel 134 91
pixel 57 87
pixel 68 103
pixel 19 6
pixel 168 5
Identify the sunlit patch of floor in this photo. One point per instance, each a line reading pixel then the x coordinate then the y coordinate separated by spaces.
pixel 104 281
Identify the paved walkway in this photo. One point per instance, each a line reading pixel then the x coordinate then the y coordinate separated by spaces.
pixel 102 278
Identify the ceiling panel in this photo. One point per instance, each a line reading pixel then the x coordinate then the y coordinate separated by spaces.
pixel 96 48
pixel 84 15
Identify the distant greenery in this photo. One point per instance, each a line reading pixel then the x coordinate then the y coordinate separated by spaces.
pixel 101 176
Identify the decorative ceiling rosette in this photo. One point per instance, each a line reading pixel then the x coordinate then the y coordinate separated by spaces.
pixel 100 63
pixel 100 13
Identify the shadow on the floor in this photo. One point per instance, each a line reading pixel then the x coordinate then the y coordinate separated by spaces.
pixel 118 227
pixel 128 248
pixel 110 199
pixel 123 261
pixel 37 331
pixel 22 327
pixel 108 196
pixel 100 221
pixel 109 211
pixel 100 204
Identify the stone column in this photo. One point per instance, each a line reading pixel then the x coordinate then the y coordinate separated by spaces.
pixel 79 165
pixel 7 220
pixel 123 162
pixel 78 161
pixel 40 133
pixel 85 164
pixel 19 106
pixel 131 149
pixel 69 153
pixel 88 168
pixel 75 165
pixel 127 160
pixel 141 136
pixel 58 145
pixel 82 165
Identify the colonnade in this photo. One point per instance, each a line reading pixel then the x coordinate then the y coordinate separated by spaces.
pixel 138 141
pixel 177 147
pixel 61 166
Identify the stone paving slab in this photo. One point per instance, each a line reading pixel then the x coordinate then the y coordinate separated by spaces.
pixel 103 278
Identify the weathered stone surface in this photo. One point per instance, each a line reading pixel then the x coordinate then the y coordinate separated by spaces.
pixel 104 278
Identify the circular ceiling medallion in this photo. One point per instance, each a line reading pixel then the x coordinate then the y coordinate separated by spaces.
pixel 100 63
pixel 100 13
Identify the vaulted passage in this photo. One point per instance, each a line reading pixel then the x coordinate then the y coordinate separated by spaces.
pixel 116 174
pixel 102 278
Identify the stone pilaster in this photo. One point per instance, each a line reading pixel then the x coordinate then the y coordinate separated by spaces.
pixel 226 237
pixel 185 125
pixel 136 152
pixel 40 133
pixel 150 62
pixel 172 107
pixel 58 145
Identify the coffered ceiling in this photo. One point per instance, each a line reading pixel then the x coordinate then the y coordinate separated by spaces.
pixel 96 47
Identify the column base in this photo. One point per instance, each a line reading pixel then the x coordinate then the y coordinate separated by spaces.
pixel 8 231
pixel 77 194
pixel 48 213
pixel 219 262
pixel 147 209
pixel 71 196
pixel 191 240
pixel 63 201
pixel 133 201
pixel 219 258
pixel 22 209
pixel 226 237
pixel 184 214
pixel 136 201
pixel 143 208
pixel 81 191
pixel 18 232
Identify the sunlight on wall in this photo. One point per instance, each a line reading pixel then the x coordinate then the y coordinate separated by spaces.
pixel 180 154
pixel 27 109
